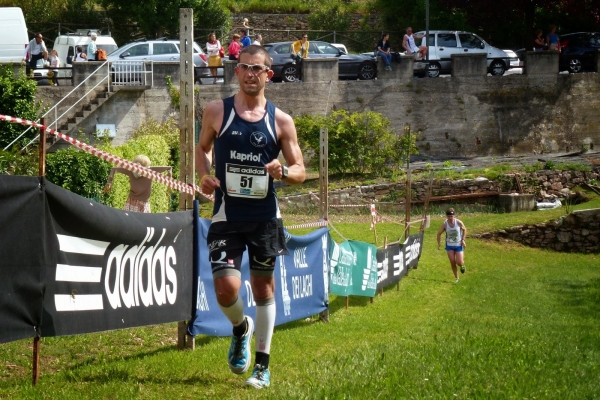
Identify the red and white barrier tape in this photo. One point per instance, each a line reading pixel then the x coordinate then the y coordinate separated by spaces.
pixel 120 162
pixel 308 225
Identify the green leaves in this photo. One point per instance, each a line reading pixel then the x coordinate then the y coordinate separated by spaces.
pixel 17 99
pixel 358 142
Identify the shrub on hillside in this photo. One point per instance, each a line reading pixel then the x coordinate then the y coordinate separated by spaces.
pixel 358 142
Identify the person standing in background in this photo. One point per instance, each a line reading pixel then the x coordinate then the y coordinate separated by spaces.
pixel 257 39
pixel 213 48
pixel 245 40
pixel 34 51
pixel 91 47
pixel 55 64
pixel 552 39
pixel 456 232
pixel 234 47
pixel 140 187
pixel 538 41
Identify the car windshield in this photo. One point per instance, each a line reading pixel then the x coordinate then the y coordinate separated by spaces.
pixel 108 48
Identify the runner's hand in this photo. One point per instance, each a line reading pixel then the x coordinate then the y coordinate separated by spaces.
pixel 275 169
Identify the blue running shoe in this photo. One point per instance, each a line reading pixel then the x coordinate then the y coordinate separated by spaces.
pixel 239 351
pixel 261 377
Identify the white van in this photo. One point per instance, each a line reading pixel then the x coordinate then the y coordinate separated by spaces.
pixel 13 34
pixel 65 45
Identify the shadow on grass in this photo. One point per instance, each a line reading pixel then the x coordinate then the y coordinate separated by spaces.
pixel 580 297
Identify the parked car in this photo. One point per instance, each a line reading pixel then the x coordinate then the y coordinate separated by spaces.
pixel 577 51
pixel 442 44
pixel 159 50
pixel 515 60
pixel 340 46
pixel 351 66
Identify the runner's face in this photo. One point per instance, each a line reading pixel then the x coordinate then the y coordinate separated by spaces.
pixel 252 83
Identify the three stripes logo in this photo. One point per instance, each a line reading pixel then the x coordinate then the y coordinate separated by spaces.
pixel 134 275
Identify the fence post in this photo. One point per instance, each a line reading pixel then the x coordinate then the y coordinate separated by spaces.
pixel 42 149
pixel 334 37
pixel 36 361
pixel 186 130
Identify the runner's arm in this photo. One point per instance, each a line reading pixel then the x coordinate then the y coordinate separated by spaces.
pixel 439 234
pixel 288 139
pixel 211 122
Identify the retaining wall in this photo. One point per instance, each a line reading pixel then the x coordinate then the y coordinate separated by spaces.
pixel 576 232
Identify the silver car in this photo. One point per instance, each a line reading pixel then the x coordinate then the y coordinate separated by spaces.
pixel 442 44
pixel 157 50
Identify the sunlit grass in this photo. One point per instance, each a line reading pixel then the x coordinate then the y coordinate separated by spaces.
pixel 522 323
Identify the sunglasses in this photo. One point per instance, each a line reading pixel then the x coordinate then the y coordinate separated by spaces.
pixel 254 68
pixel 304 37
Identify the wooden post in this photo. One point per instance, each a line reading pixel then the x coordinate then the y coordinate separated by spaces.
pixel 42 149
pixel 324 173
pixel 347 301
pixel 36 360
pixel 384 246
pixel 324 191
pixel 186 130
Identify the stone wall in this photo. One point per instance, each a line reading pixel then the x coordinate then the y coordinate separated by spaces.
pixel 540 182
pixel 576 232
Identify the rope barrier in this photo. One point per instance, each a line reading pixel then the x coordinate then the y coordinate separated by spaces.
pixel 188 188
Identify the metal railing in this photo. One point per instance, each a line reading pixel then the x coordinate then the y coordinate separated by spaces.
pixel 126 75
pixel 132 73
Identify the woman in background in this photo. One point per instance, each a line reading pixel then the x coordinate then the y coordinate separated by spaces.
pixel 140 187
pixel 213 47
pixel 234 47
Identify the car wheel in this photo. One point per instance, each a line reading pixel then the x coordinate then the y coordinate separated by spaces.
pixel 574 65
pixel 290 73
pixel 366 71
pixel 497 68
pixel 433 70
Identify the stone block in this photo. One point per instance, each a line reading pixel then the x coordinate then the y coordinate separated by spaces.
pixel 320 69
pixel 539 63
pixel 597 61
pixel 513 203
pixel 229 71
pixel 469 65
pixel 402 69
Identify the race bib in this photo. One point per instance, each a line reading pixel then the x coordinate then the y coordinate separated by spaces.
pixel 246 181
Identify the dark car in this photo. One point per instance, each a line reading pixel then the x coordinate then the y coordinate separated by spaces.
pixel 350 66
pixel 577 51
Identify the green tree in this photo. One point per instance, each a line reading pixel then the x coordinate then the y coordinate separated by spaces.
pixel 17 99
pixel 358 142
pixel 331 17
pixel 160 18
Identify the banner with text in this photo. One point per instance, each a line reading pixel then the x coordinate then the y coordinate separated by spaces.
pixel 395 260
pixel 353 269
pixel 77 266
pixel 301 282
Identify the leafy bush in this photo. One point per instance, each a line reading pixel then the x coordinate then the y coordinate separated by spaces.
pixel 87 175
pixel 17 163
pixel 17 99
pixel 78 171
pixel 358 142
pixel 331 17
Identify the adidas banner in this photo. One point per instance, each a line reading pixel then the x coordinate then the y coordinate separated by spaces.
pixel 353 269
pixel 301 282
pixel 395 260
pixel 76 266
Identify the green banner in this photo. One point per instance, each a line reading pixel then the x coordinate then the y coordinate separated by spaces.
pixel 353 269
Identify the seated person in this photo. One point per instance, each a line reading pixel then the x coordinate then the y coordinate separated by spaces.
pixel 408 43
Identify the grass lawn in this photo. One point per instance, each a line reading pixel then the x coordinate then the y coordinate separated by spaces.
pixel 522 323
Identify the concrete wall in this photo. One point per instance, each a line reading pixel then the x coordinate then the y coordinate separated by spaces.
pixel 457 116
pixel 469 65
pixel 541 63
pixel 576 232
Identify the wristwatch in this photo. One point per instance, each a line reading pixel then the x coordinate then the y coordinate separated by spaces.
pixel 284 172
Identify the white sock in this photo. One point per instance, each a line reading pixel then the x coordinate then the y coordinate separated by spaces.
pixel 234 312
pixel 265 323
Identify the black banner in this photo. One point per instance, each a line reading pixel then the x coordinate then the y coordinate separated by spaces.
pixel 77 266
pixel 395 260
pixel 23 227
